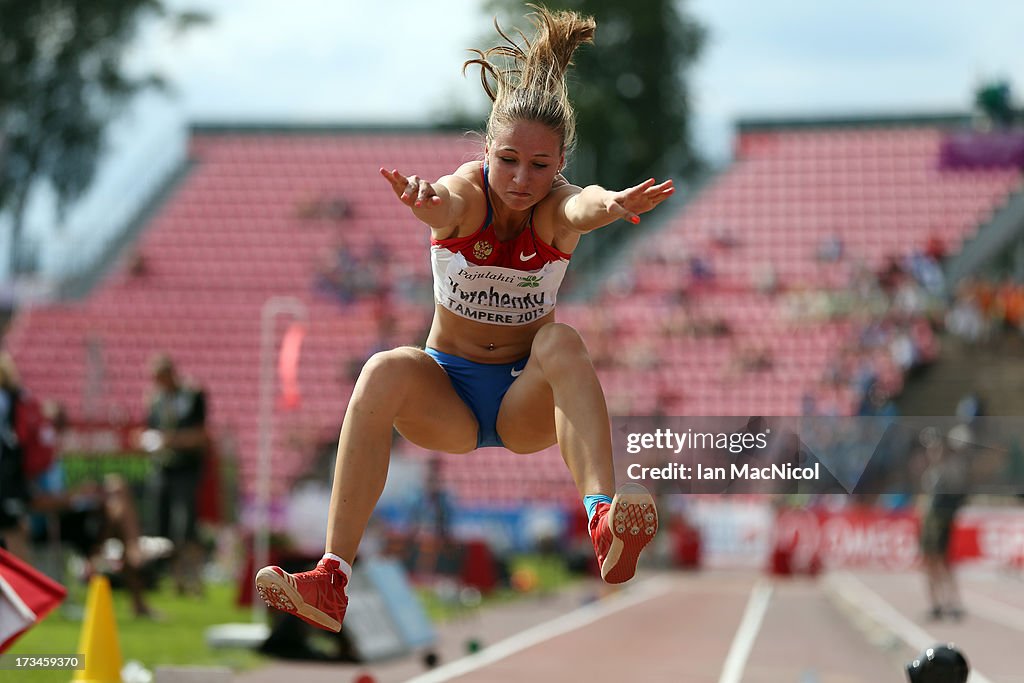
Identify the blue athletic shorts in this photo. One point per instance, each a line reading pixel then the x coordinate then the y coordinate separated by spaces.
pixel 481 386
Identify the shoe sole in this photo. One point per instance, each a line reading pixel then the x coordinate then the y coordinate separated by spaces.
pixel 633 521
pixel 278 592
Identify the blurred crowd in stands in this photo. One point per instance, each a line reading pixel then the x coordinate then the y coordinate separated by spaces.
pixel 982 309
pixel 346 274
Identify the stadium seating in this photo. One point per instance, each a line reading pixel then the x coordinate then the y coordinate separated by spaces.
pixel 878 191
pixel 234 234
pixel 260 213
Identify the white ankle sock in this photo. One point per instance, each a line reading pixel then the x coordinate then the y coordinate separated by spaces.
pixel 345 567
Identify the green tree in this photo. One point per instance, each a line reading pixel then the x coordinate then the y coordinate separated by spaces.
pixel 61 82
pixel 630 88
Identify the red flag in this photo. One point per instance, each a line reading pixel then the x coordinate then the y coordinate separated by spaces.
pixel 288 365
pixel 26 596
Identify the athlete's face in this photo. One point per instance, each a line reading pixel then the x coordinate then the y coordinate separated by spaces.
pixel 523 159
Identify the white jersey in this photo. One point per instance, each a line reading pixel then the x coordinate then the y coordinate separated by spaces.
pixel 494 294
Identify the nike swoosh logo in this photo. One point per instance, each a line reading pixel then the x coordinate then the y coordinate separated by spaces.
pixel 524 257
pixel 516 373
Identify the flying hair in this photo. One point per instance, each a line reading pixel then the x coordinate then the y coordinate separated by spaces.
pixel 525 80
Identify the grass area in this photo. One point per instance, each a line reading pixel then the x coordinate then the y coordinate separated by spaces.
pixel 531 575
pixel 176 639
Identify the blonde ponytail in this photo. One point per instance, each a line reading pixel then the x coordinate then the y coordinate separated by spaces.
pixel 526 82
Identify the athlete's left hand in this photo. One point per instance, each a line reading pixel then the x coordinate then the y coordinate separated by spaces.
pixel 633 201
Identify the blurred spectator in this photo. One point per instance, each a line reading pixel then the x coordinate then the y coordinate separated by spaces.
pixel 620 284
pixel 701 270
pixel 808 403
pixel 969 408
pixel 830 249
pixel 14 490
pixel 890 274
pixel 336 274
pixel 724 238
pixel 643 354
pixel 859 371
pixel 926 342
pixel 877 403
pixel 766 279
pixel 410 284
pixel 177 438
pixel 325 207
pixel 935 249
pixel 904 353
pixel 927 272
pixel 945 481
pixel 751 357
pixel 434 510
pixel 603 346
pixel 1011 300
pixel 388 334
pixel 32 472
pixel 676 324
pixel 965 319
pixel 87 516
pixel 981 308
pixel 378 252
pixel 710 325
pixel 137 264
pixel 910 298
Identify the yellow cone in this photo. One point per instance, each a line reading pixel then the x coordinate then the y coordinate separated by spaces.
pixel 99 641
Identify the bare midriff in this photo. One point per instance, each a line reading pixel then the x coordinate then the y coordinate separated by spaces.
pixel 480 342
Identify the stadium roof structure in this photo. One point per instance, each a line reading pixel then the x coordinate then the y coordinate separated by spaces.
pixel 933 119
pixel 313 127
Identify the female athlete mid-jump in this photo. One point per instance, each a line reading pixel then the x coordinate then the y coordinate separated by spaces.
pixel 497 369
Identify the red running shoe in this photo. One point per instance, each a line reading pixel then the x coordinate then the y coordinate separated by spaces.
pixel 317 597
pixel 621 530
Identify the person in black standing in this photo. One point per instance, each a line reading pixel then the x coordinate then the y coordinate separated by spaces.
pixel 176 436
pixel 14 491
pixel 945 482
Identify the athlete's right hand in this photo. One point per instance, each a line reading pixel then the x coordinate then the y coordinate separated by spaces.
pixel 414 192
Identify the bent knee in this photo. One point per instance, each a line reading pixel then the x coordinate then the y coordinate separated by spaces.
pixel 387 372
pixel 525 444
pixel 393 363
pixel 558 342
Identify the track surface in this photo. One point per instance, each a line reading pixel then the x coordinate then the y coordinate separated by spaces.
pixel 715 627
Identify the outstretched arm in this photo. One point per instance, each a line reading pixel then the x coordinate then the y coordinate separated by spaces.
pixel 439 204
pixel 595 207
